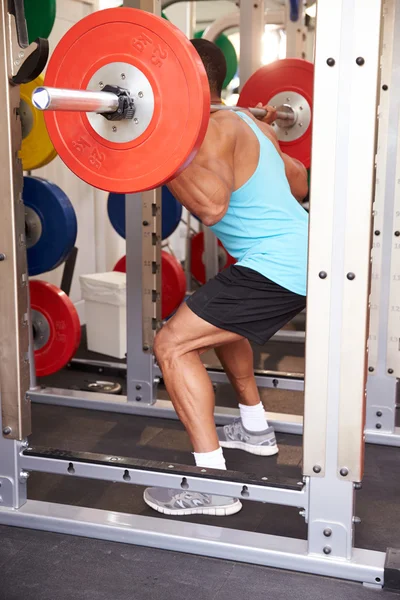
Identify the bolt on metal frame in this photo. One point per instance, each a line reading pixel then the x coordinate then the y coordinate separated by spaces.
pixel 348 31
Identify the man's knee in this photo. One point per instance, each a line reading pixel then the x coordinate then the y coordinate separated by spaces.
pixel 162 346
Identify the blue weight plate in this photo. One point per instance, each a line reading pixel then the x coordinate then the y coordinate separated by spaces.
pixel 171 213
pixel 50 225
pixel 116 212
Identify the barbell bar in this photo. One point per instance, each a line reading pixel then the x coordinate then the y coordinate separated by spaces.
pixel 158 124
pixel 103 102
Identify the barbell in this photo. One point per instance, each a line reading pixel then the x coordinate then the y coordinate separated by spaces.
pixel 127 100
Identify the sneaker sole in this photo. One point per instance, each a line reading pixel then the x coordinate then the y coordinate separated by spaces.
pixel 220 511
pixel 258 450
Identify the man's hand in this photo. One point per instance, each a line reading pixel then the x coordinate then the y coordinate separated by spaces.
pixel 270 117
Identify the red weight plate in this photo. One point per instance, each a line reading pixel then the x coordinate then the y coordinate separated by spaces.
pixel 181 99
pixel 64 329
pixel 173 288
pixel 173 284
pixel 121 265
pixel 197 265
pixel 287 75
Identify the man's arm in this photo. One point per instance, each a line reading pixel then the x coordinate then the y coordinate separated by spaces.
pixel 296 172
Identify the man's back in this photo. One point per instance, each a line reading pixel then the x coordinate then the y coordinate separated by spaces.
pixel 237 184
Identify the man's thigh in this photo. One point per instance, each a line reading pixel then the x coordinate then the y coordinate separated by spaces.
pixel 189 332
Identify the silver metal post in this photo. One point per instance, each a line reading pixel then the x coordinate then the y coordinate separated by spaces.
pixel 251 37
pixel 210 253
pixel 15 409
pixel 143 272
pixel 14 362
pixel 343 153
pixel 49 98
pixel 383 355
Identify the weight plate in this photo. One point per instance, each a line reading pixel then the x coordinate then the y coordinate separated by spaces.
pixel 179 98
pixel 103 387
pixel 56 327
pixel 173 286
pixel 171 213
pixel 50 225
pixel 37 149
pixel 225 44
pixel 197 257
pixel 120 266
pixel 40 16
pixel 274 84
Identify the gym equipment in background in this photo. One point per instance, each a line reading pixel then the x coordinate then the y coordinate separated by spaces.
pixel 40 16
pixel 50 225
pixel 197 257
pixel 286 84
pixel 171 212
pixel 173 288
pixel 55 325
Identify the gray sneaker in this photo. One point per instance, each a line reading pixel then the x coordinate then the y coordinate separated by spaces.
pixel 175 502
pixel 234 435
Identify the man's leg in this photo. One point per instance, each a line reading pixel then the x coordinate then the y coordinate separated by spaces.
pixel 252 432
pixel 177 348
pixel 237 361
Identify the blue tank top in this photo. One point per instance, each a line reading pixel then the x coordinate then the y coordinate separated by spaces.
pixel 265 228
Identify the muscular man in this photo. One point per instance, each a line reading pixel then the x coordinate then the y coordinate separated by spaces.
pixel 246 190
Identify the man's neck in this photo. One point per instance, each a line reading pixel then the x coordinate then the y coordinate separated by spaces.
pixel 215 99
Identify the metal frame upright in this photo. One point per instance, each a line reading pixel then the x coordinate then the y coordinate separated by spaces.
pixel 384 344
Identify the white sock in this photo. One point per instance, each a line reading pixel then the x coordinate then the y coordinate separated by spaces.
pixel 210 460
pixel 253 417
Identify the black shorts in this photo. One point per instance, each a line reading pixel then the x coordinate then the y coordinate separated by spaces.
pixel 241 300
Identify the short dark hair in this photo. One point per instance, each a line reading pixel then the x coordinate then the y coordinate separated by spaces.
pixel 214 63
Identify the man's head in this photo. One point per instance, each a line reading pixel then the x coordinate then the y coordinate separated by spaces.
pixel 214 63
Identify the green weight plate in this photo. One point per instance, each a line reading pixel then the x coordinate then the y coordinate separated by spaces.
pixel 164 16
pixel 224 43
pixel 40 16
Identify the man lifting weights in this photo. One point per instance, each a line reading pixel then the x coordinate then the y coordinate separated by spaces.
pixel 242 186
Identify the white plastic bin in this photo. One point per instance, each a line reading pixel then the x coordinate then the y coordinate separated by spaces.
pixel 105 310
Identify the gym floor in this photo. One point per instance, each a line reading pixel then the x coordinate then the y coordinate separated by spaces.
pixel 37 565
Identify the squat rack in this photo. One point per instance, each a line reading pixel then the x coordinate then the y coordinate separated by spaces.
pixel 143 374
pixel 348 31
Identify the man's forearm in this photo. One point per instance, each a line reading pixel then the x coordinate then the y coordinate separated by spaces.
pixel 296 174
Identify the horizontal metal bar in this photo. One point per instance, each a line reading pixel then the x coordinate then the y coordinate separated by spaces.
pixel 264 381
pixel 256 112
pixel 181 477
pixel 48 98
pixel 383 438
pixel 365 566
pixel 162 409
pixel 287 335
pixel 267 379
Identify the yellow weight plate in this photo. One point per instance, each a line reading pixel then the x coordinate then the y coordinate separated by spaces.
pixel 37 149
